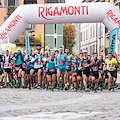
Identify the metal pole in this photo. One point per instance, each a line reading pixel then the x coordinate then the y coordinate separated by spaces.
pixel 44 37
pixel 100 40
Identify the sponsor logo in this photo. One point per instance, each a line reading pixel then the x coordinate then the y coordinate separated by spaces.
pixel 112 17
pixel 4 33
pixel 44 12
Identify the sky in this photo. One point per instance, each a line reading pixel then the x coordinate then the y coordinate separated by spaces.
pixel 72 1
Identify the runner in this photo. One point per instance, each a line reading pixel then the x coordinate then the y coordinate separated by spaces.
pixel 38 67
pixel 45 68
pixel 101 72
pixel 60 60
pixel 95 71
pixel 68 69
pixel 18 60
pixel 51 76
pixel 7 68
pixel 1 69
pixel 85 64
pixel 74 74
pixel 79 72
pixel 110 63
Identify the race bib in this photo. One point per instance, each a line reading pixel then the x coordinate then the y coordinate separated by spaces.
pixel 68 67
pixel 39 63
pixel 17 68
pixel 74 73
pixel 101 71
pixel 111 65
pixel 52 70
pixel 85 64
pixel 7 65
pixel 60 62
pixel 95 68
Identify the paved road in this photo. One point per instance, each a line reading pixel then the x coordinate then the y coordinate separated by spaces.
pixel 23 104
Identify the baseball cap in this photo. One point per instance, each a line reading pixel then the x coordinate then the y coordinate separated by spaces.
pixel 84 51
pixel 19 49
pixel 38 48
pixel 30 50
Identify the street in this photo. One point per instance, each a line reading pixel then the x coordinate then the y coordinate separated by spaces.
pixel 23 104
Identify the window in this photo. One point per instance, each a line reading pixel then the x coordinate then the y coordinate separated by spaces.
pixel 81 36
pixel 91 32
pixel 11 2
pixel 55 43
pixel 91 51
pixel 30 1
pixel 5 3
pixel 86 34
pixel 55 28
pixel 33 26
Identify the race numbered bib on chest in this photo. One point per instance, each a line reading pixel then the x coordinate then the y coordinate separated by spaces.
pixel 7 65
pixel 68 67
pixel 74 73
pixel 52 70
pixel 39 63
pixel 17 68
pixel 111 65
pixel 79 68
pixel 95 68
pixel 85 64
pixel 60 62
pixel 101 71
pixel 24 66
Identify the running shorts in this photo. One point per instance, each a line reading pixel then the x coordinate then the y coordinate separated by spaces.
pixel 7 70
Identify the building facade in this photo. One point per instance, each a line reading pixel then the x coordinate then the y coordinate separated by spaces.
pixel 8 6
pixel 76 48
pixel 54 32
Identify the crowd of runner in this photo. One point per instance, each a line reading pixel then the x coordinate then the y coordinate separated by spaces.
pixel 59 70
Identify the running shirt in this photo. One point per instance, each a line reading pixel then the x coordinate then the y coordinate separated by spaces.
pixel 29 59
pixel 46 64
pixel 51 64
pixel 68 64
pixel 38 63
pixel 78 61
pixel 96 65
pixel 110 66
pixel 7 62
pixel 20 58
pixel 73 71
pixel 60 63
pixel 85 62
pixel 101 69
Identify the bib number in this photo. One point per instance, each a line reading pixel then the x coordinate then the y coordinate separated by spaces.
pixel 95 68
pixel 7 65
pixel 39 63
pixel 85 64
pixel 17 68
pixel 68 67
pixel 60 62
pixel 52 70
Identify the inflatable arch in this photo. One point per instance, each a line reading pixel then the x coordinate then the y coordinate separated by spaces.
pixel 58 13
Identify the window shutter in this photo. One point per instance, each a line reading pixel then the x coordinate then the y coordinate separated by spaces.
pixel 33 26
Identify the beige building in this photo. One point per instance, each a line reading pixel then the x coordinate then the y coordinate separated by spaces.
pixel 8 6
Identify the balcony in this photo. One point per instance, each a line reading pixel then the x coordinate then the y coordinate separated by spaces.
pixel 10 9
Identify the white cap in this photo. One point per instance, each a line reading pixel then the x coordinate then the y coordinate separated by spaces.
pixel 84 51
pixel 46 52
pixel 19 49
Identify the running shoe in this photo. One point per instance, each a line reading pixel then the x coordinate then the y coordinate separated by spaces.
pixel 23 86
pixel 52 89
pixel 10 84
pixel 43 86
pixel 0 86
pixel 47 88
pixel 58 88
pixel 18 86
pixel 81 90
pixel 5 86
pixel 112 89
pixel 29 87
pixel 38 87
pixel 95 91
pixel 75 89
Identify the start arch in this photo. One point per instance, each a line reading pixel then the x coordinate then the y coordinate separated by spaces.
pixel 58 13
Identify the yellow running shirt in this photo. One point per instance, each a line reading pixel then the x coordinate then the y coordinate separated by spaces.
pixel 110 65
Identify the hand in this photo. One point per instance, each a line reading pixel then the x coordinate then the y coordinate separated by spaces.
pixel 55 65
pixel 88 65
pixel 14 59
pixel 2 66
pixel 28 63
pixel 63 59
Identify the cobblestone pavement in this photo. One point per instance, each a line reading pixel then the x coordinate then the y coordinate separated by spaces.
pixel 17 104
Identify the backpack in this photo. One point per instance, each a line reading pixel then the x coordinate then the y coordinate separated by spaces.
pixel 18 55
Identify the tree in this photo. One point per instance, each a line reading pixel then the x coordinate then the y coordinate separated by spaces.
pixel 69 30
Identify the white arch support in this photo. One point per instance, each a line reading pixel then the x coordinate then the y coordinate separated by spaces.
pixel 58 13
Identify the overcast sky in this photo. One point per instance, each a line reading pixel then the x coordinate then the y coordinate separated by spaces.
pixel 72 1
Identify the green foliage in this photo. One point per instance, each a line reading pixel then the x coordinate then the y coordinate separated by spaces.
pixel 69 29
pixel 17 40
pixel 38 38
